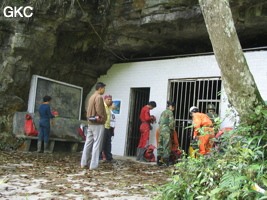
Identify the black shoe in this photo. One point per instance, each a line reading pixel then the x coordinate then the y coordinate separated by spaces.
pixel 159 162
pixel 166 162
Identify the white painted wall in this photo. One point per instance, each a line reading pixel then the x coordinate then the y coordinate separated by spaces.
pixel 120 78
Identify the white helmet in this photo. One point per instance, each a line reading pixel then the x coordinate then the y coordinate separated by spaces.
pixel 193 109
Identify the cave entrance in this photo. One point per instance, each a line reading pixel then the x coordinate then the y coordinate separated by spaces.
pixel 139 97
pixel 192 92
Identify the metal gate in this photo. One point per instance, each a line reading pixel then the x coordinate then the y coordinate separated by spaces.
pixel 139 97
pixel 192 92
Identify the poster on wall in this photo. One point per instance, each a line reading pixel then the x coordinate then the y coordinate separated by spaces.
pixel 66 98
pixel 117 106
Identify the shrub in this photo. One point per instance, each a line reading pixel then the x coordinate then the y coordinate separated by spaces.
pixel 227 174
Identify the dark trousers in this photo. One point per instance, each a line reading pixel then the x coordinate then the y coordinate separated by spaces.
pixel 44 131
pixel 107 143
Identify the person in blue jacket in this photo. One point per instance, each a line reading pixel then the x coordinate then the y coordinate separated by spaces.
pixel 44 126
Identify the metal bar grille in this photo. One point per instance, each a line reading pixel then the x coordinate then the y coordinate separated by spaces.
pixel 192 92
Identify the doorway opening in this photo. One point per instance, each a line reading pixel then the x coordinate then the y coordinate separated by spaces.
pixel 192 92
pixel 139 97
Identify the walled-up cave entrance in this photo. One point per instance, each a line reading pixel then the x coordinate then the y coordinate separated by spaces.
pixel 192 92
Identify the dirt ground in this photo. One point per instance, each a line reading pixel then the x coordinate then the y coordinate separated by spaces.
pixel 29 176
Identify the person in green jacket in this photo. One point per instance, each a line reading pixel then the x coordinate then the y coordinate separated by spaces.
pixel 166 128
pixel 211 112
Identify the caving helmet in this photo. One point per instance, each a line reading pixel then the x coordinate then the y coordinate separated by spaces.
pixel 210 107
pixel 193 109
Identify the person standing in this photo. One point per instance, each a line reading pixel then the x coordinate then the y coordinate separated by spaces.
pixel 97 116
pixel 108 133
pixel 146 120
pixel 211 112
pixel 203 122
pixel 166 129
pixel 112 117
pixel 45 116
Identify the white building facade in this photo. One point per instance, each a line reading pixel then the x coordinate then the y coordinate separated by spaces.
pixel 156 78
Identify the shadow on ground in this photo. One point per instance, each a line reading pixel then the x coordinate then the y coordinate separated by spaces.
pixel 59 176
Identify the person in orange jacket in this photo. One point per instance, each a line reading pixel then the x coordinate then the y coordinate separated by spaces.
pixel 202 121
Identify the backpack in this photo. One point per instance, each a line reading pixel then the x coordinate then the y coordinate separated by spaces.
pixel 175 155
pixel 175 152
pixel 29 127
pixel 222 131
pixel 83 130
pixel 219 136
pixel 149 153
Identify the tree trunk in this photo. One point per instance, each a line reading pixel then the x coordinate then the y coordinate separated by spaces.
pixel 237 79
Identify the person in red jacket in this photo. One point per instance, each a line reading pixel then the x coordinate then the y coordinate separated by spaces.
pixel 146 119
pixel 202 121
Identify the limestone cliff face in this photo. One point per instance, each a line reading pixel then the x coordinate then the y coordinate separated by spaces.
pixel 77 41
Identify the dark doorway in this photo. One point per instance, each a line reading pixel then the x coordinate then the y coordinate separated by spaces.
pixel 192 92
pixel 139 97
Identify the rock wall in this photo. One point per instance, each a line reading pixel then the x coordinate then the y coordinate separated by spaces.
pixel 56 42
pixel 77 41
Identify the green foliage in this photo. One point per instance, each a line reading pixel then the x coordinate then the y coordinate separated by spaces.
pixel 13 143
pixel 229 173
pixel 3 123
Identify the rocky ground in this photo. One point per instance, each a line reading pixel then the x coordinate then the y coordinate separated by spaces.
pixel 59 176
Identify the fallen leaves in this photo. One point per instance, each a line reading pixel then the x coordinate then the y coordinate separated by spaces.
pixel 58 176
